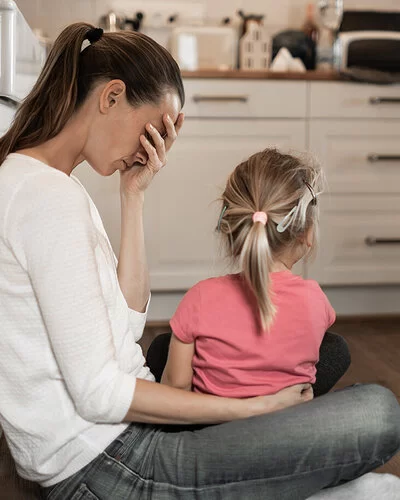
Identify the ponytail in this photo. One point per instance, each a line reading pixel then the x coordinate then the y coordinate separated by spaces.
pixel 256 262
pixel 52 101
pixel 69 74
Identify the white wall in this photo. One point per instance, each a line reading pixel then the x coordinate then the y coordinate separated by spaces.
pixel 52 15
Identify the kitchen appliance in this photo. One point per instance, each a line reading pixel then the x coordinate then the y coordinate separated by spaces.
pixel 204 47
pixel 21 60
pixel 369 40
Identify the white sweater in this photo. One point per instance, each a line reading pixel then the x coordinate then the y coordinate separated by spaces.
pixel 69 357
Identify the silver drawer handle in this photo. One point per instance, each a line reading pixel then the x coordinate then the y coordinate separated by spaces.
pixel 220 98
pixel 372 241
pixel 373 157
pixel 384 100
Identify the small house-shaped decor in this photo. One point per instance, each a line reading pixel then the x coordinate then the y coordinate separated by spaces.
pixel 255 48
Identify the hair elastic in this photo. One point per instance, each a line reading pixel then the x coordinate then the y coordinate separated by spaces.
pixel 92 36
pixel 260 217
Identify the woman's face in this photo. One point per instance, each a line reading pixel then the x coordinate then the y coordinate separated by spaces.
pixel 113 140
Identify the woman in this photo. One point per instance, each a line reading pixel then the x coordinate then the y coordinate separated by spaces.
pixel 71 374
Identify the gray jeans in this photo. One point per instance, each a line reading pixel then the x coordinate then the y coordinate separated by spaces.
pixel 286 455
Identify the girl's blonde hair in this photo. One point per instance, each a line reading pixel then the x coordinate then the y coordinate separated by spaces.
pixel 283 186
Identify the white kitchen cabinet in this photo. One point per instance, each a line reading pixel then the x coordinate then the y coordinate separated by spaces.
pixel 359 241
pixel 181 212
pixel 354 130
pixel 216 98
pixel 358 156
pixel 352 100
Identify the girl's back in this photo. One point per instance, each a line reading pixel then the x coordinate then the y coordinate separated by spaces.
pixel 233 356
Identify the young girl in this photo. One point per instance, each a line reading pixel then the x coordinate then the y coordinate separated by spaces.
pixel 258 331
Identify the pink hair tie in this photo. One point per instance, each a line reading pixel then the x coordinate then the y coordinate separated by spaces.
pixel 260 217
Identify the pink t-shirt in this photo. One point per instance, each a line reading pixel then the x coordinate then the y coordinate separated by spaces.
pixel 233 356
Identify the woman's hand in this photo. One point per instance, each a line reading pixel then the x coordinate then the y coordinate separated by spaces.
pixel 137 178
pixel 289 396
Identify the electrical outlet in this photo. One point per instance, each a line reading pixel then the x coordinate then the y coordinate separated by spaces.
pixel 158 14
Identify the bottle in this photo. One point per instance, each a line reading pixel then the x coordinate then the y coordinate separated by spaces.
pixel 310 27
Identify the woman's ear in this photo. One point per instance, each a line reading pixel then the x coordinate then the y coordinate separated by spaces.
pixel 111 95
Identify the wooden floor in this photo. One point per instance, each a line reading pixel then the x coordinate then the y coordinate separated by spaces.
pixel 375 350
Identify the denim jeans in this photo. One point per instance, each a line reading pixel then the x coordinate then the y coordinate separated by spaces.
pixel 287 455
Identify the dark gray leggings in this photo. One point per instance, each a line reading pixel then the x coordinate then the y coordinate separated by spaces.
pixel 334 360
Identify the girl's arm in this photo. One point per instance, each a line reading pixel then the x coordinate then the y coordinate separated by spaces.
pixel 178 371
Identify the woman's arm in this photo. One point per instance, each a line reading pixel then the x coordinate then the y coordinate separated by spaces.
pixel 178 371
pixel 160 404
pixel 133 275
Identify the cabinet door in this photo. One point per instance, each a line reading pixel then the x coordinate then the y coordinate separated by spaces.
pixel 181 213
pixel 359 241
pixel 358 156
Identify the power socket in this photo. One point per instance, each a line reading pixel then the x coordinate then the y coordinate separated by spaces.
pixel 158 14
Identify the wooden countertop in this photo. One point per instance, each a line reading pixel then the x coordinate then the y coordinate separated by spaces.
pixel 263 75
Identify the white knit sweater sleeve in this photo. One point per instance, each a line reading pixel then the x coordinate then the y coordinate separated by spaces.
pixel 54 238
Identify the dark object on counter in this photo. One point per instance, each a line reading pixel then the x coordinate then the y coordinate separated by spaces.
pixel 364 75
pixel 298 44
pixel 112 22
pixel 361 20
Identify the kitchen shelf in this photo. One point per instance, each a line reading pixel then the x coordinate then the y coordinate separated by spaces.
pixel 263 75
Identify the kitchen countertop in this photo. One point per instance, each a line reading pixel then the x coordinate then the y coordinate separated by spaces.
pixel 263 75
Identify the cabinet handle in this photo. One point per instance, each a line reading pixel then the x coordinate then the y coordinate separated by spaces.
pixel 373 157
pixel 220 98
pixel 9 101
pixel 372 241
pixel 384 100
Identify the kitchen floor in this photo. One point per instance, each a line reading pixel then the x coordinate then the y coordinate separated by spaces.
pixel 375 350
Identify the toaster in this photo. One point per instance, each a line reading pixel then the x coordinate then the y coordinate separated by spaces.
pixel 204 47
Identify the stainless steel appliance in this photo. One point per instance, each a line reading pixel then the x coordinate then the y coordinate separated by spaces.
pixel 21 59
pixel 368 40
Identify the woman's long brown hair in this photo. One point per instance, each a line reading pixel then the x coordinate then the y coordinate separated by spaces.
pixel 147 69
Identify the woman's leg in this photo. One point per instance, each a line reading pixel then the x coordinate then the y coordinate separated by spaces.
pixel 334 360
pixel 286 455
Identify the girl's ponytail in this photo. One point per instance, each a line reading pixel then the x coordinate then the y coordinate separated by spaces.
pixel 256 264
pixel 53 99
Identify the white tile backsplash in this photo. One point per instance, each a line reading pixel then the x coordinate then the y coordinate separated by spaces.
pixel 53 15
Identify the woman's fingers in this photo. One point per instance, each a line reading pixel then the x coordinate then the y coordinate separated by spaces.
pixel 154 161
pixel 157 142
pixel 172 129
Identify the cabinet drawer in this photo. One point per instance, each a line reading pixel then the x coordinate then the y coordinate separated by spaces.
pixel 243 98
pixel 359 241
pixel 349 100
pixel 358 156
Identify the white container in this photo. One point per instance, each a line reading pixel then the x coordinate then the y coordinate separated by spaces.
pixel 204 47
